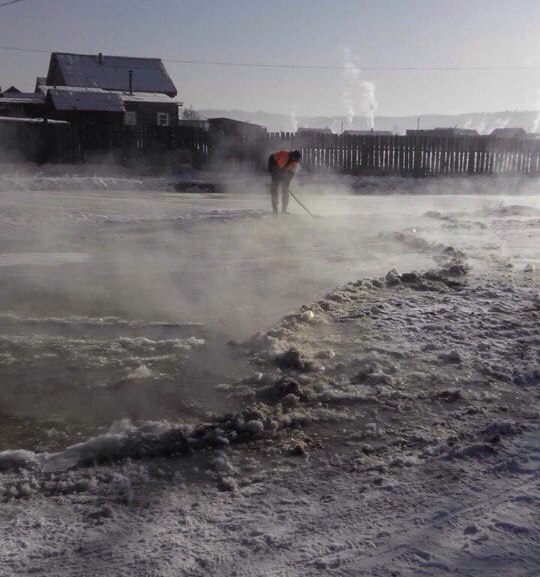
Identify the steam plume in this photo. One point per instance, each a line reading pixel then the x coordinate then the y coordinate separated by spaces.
pixel 536 124
pixel 359 94
pixel 294 120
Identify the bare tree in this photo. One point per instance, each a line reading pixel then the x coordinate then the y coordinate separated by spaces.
pixel 190 113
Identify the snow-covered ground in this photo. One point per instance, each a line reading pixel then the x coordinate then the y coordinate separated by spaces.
pixel 158 418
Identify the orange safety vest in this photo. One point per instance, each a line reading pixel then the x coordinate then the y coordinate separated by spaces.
pixel 282 157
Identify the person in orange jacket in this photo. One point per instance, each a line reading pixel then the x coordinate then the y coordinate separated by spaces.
pixel 282 166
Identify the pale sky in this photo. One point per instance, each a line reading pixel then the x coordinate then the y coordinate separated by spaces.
pixel 385 33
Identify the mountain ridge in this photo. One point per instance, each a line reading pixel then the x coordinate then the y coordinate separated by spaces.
pixel 484 122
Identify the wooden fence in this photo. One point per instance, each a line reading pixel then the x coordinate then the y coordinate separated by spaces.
pixel 413 155
pixel 417 156
pixel 126 144
pixel 29 140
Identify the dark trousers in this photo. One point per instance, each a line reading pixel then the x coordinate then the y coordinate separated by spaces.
pixel 279 178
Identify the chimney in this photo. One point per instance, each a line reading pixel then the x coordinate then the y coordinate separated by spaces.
pixel 100 58
pixel 131 81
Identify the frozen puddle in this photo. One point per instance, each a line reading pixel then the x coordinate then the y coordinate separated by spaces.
pixel 42 258
pixel 128 313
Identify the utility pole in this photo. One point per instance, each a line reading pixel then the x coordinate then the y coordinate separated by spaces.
pixel 418 123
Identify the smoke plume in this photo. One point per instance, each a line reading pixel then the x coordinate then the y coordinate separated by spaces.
pixel 359 94
pixel 294 120
pixel 536 124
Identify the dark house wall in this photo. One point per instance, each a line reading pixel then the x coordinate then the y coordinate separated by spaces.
pixel 147 112
pixel 78 117
pixel 21 109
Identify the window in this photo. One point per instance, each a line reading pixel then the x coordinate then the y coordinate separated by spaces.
pixel 163 119
pixel 130 118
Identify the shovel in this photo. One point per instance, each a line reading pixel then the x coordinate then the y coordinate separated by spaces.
pixel 303 205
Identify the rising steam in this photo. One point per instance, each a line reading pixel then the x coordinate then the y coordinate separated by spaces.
pixel 486 123
pixel 293 120
pixel 359 94
pixel 536 124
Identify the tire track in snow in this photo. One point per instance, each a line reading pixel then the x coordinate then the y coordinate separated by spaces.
pixel 417 538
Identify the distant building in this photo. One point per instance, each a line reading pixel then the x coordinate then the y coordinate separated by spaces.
pixel 307 130
pixel 367 132
pixel 17 104
pixel 444 132
pixel 509 133
pixel 229 128
pixel 10 91
pixel 195 123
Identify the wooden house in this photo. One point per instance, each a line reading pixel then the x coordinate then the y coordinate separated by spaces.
pixel 21 104
pixel 509 133
pixel 97 89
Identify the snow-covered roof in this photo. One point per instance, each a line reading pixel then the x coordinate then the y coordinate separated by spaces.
pixel 145 97
pixel 509 133
pixel 31 120
pixel 87 101
pixel 44 89
pixel 307 129
pixel 368 132
pixel 110 72
pixel 125 96
pixel 22 98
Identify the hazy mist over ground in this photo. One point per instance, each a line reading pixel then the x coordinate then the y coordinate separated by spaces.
pixel 101 290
